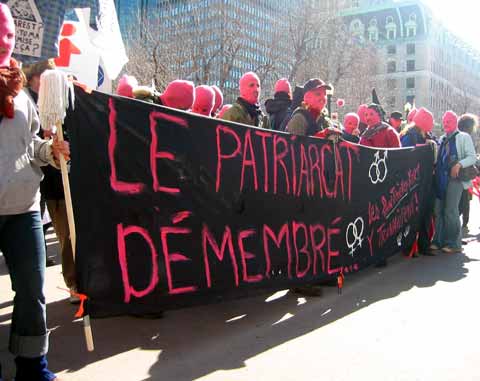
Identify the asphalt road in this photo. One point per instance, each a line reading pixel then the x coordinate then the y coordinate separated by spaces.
pixel 417 319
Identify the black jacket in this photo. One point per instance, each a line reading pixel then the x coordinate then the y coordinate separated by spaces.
pixel 278 109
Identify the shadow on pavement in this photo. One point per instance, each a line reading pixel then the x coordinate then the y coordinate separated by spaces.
pixel 197 341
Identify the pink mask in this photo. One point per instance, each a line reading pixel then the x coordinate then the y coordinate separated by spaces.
pixel 362 110
pixel 250 87
pixel 316 99
pixel 204 100
pixel 350 122
pixel 126 85
pixel 450 122
pixel 7 35
pixel 372 117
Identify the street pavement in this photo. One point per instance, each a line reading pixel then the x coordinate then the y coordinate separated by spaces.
pixel 417 319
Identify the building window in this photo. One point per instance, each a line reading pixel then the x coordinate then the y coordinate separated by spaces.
pixel 410 83
pixel 391 67
pixel 410 48
pixel 391 84
pixel 389 20
pixel 373 34
pixel 411 31
pixel 391 33
pixel 410 65
pixel 411 99
pixel 391 49
pixel 355 3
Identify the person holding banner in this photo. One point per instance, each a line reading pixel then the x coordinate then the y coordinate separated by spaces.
pixel 308 119
pixel 378 134
pixel 419 132
pixel 218 101
pixel 21 233
pixel 51 187
pixel 246 109
pixel 466 123
pixel 350 128
pixel 456 153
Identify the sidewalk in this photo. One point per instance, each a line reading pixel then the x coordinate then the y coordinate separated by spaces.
pixel 414 320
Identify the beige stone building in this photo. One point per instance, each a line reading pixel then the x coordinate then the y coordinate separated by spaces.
pixel 421 61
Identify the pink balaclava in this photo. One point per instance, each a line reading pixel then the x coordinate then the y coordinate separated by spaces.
pixel 224 109
pixel 7 35
pixel 350 122
pixel 218 99
pixel 179 94
pixel 411 115
pixel 204 100
pixel 450 122
pixel 423 119
pixel 126 85
pixel 361 112
pixel 283 86
pixel 250 87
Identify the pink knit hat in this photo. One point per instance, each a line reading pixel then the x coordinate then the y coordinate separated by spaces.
pixel 224 109
pixel 411 115
pixel 361 112
pixel 218 99
pixel 204 100
pixel 179 94
pixel 126 85
pixel 423 119
pixel 282 85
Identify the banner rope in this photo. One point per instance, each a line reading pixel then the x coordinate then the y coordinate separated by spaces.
pixel 81 308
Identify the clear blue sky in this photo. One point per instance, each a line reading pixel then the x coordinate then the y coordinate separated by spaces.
pixel 462 17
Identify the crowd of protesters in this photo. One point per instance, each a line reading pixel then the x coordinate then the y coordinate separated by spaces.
pixel 28 155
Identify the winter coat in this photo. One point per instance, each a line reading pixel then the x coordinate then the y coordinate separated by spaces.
pixel 303 123
pixel 237 113
pixel 385 138
pixel 278 109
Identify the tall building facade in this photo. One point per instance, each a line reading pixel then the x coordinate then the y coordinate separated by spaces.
pixel 235 35
pixel 421 60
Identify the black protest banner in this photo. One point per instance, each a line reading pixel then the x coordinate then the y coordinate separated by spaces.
pixel 174 209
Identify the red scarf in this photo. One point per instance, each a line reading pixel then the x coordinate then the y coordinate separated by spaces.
pixel 11 83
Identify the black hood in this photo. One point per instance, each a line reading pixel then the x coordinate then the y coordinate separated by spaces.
pixel 280 102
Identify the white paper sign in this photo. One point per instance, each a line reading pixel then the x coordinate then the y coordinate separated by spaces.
pixel 28 27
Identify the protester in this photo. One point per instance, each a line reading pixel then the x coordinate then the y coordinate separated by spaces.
pixel 350 127
pixel 456 153
pixel 395 120
pixel 308 119
pixel 126 84
pixel 218 101
pixel 32 73
pixel 378 134
pixel 419 132
pixel 223 110
pixel 278 108
pixel 246 109
pixel 179 94
pixel 411 115
pixel 51 187
pixel 362 114
pixel 204 100
pixel 21 234
pixel 466 123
